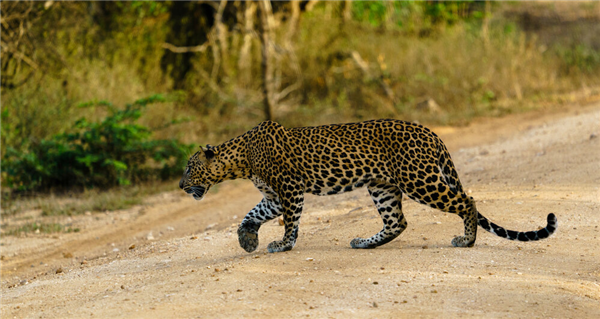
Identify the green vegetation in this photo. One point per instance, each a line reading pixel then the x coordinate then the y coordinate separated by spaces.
pixel 115 151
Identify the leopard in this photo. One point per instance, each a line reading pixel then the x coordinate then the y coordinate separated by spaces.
pixel 389 157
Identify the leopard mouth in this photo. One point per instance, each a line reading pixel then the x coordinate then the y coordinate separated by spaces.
pixel 196 191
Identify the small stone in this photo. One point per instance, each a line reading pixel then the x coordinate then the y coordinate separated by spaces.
pixel 132 246
pixel 59 270
pixel 194 237
pixel 374 304
pixel 83 262
pixel 310 259
pixel 375 283
pixel 122 286
pixel 67 255
pixel 149 236
pixel 593 136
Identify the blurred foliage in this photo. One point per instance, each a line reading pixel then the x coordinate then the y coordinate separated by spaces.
pixel 579 58
pixel 114 151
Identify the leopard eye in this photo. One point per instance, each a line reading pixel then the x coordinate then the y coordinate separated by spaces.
pixel 187 170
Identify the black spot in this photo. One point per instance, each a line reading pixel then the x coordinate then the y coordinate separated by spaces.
pixel 441 188
pixel 523 237
pixel 543 233
pixel 484 223
pixel 499 230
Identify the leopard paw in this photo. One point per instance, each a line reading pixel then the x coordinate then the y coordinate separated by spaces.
pixel 463 241
pixel 248 239
pixel 279 246
pixel 361 243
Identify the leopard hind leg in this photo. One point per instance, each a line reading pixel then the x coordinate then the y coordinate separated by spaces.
pixel 388 200
pixel 435 192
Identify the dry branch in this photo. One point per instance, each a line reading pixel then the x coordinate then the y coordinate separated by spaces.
pixel 175 49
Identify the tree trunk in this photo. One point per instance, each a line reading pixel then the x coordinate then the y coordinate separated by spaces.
pixel 222 37
pixel 347 13
pixel 244 63
pixel 266 17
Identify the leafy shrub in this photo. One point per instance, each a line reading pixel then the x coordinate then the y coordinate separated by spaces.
pixel 115 151
pixel 579 58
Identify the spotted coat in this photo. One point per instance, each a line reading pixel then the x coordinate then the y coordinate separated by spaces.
pixel 389 157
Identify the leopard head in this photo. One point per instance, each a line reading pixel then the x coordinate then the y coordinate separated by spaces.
pixel 198 176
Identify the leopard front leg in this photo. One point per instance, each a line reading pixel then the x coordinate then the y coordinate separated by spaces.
pixel 267 209
pixel 388 200
pixel 292 201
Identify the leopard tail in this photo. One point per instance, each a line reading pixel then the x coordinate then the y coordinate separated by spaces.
pixel 517 235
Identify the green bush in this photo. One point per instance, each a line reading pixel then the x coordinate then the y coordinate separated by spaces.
pixel 114 151
pixel 579 59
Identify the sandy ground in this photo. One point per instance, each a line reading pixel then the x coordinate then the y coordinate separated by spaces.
pixel 177 258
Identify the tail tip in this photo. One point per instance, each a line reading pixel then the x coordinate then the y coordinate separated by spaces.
pixel 551 218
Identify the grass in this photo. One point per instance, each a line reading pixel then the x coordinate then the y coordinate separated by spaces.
pixel 77 203
pixel 35 227
pixel 57 207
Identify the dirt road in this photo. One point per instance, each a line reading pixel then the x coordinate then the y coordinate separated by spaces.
pixel 177 258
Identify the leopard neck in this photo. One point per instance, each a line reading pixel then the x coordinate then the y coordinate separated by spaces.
pixel 232 160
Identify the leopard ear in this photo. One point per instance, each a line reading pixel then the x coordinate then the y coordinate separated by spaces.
pixel 208 152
